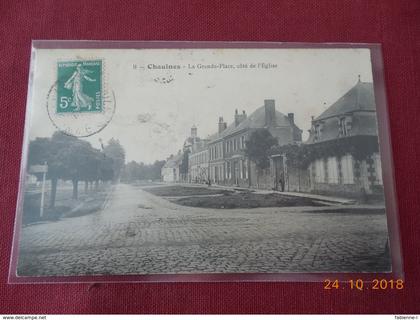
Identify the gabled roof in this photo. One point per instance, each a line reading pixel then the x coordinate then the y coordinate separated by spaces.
pixel 360 97
pixel 254 121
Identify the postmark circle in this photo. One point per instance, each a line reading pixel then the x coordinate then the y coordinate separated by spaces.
pixel 80 124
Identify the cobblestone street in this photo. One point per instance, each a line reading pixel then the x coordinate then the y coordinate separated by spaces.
pixel 139 233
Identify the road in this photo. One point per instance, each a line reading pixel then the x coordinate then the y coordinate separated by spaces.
pixel 139 233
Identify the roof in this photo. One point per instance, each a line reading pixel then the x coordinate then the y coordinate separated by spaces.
pixel 191 140
pixel 360 97
pixel 173 161
pixel 253 121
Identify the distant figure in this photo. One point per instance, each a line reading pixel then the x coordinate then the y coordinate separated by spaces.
pixel 281 182
pixel 209 182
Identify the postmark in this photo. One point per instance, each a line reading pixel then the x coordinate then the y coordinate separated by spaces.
pixel 80 103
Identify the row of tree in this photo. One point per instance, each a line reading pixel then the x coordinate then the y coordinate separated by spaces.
pixel 70 158
pixel 134 171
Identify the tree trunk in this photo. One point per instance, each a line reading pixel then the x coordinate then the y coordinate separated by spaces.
pixel 53 192
pixel 75 185
pixel 96 185
pixel 86 186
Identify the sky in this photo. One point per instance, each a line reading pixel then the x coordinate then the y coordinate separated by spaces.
pixel 156 108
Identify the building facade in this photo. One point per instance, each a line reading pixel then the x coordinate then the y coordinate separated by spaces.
pixel 342 151
pixel 345 138
pixel 198 162
pixel 228 164
pixel 170 171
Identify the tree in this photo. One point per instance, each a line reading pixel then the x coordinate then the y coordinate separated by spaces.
pixel 116 152
pixel 68 158
pixel 133 171
pixel 183 168
pixel 77 160
pixel 258 147
pixel 157 168
pixel 55 151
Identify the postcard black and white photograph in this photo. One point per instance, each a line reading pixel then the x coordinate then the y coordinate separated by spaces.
pixel 201 161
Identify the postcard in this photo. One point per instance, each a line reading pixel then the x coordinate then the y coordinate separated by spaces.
pixel 188 160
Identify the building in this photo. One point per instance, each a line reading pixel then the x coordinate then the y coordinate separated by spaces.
pixel 216 154
pixel 344 142
pixel 198 162
pixel 191 140
pixel 171 169
pixel 228 163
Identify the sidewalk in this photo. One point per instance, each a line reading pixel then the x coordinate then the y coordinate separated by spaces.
pixel 66 206
pixel 327 199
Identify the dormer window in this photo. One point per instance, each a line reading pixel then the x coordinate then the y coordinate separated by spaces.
pixel 344 126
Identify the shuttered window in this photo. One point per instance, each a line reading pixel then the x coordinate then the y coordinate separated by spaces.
pixel 378 168
pixel 319 171
pixel 332 170
pixel 347 169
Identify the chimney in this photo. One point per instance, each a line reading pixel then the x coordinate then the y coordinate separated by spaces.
pixel 270 112
pixel 239 117
pixel 222 125
pixel 291 117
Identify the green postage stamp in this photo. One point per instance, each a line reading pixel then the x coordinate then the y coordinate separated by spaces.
pixel 79 86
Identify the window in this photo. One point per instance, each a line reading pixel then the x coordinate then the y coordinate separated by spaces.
pixel 319 171
pixel 344 129
pixel 332 170
pixel 228 170
pixel 347 169
pixel 244 169
pixel 378 168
